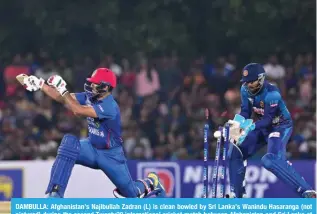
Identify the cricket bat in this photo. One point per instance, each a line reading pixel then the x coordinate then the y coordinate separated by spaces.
pixel 21 78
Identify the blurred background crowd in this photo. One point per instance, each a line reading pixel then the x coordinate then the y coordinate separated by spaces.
pixel 164 89
pixel 162 103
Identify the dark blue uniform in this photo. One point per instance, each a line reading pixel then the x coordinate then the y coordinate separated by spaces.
pixel 273 127
pixel 274 123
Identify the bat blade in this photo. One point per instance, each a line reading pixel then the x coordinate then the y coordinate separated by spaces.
pixel 21 78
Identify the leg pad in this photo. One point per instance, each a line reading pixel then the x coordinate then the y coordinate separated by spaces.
pixel 237 168
pixel 285 172
pixel 67 155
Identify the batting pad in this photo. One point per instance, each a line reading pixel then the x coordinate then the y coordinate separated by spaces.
pixel 284 171
pixel 62 168
pixel 237 169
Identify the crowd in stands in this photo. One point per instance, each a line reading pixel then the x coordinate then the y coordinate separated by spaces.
pixel 162 102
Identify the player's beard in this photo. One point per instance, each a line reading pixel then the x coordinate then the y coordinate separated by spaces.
pixel 91 93
pixel 96 96
pixel 254 90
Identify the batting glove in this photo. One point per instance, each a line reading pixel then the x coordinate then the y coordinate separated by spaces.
pixel 32 83
pixel 59 83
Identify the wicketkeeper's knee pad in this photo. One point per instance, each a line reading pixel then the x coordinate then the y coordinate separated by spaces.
pixel 67 155
pixel 269 160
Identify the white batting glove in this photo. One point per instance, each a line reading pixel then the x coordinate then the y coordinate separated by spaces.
pixel 59 83
pixel 32 83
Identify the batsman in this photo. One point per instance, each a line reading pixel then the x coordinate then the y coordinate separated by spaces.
pixel 102 149
pixel 273 126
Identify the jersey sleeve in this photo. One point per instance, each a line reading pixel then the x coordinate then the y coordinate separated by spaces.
pixel 81 98
pixel 272 101
pixel 246 107
pixel 105 110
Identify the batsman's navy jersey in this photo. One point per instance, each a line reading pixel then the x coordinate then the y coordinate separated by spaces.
pixel 267 105
pixel 104 131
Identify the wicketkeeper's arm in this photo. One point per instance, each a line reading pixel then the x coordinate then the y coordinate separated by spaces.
pixel 245 104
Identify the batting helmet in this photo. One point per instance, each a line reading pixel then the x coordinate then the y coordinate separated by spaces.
pixel 103 76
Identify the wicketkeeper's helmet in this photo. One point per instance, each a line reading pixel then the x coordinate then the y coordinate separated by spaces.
pixel 252 72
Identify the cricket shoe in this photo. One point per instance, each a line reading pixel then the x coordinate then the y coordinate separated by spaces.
pixel 53 195
pixel 309 194
pixel 158 188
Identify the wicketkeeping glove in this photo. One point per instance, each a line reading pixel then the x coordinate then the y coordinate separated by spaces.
pixel 239 128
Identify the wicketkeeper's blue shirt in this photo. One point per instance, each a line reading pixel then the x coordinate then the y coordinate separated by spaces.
pixel 267 105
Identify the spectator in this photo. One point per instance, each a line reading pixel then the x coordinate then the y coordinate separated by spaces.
pixel 231 63
pixel 160 126
pixel 169 73
pixel 273 69
pixel 147 80
pixel 15 68
pixel 306 89
pixel 2 84
pixel 65 71
pixel 128 75
pixel 45 72
pixel 109 63
pixel 81 70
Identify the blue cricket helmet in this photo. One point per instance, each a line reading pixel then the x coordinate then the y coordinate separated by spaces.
pixel 252 72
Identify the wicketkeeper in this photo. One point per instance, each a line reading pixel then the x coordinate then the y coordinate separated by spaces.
pixel 273 127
